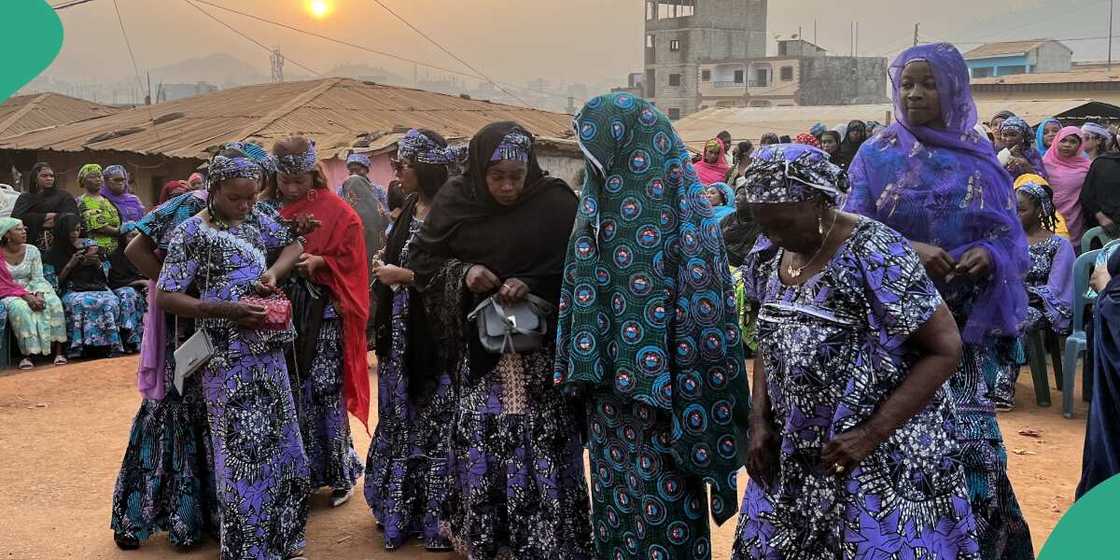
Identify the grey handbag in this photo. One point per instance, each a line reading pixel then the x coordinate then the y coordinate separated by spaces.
pixel 512 329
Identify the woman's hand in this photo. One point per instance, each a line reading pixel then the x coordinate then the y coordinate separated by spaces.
pixel 392 275
pixel 938 263
pixel 91 257
pixel 308 265
pixel 247 315
pixel 762 452
pixel 513 291
pixel 976 263
pixel 35 302
pixel 481 281
pixel 1100 278
pixel 266 284
pixel 846 451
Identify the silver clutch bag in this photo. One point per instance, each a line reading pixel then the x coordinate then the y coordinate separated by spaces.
pixel 191 356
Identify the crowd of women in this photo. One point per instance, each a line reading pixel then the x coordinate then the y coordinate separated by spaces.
pixel 882 277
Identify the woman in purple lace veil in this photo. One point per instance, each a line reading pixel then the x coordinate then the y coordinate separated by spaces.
pixel 931 177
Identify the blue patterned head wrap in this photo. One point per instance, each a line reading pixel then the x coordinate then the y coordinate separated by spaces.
pixel 115 171
pixel 783 173
pixel 298 164
pixel 417 146
pixel 223 168
pixel 818 129
pixel 1045 201
pixel 1094 128
pixel 514 147
pixel 360 159
pixel 1017 123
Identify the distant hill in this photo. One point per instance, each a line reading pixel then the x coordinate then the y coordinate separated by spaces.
pixel 219 69
pixel 369 74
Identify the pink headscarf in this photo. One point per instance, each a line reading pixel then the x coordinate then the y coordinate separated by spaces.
pixel 1067 175
pixel 712 172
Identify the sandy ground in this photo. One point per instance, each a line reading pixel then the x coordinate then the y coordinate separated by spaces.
pixel 63 433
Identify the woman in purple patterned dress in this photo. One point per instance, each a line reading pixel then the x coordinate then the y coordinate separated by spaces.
pixel 852 450
pixel 214 259
pixel 516 455
pixel 406 470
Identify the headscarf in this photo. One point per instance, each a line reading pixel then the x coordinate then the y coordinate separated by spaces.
pixel 417 146
pixel 524 240
pixel 1024 130
pixel 8 286
pixel 1040 135
pixel 34 204
pixel 908 165
pixel 818 129
pixel 807 140
pixel 128 204
pixel 340 241
pixel 728 205
pixel 648 306
pixel 836 135
pixel 360 159
pixel 87 170
pixel 768 138
pixel 6 225
pixel 1060 226
pixel 224 168
pixel 298 164
pixel 172 189
pixel 1045 202
pixel 794 173
pixel 84 277
pixel 1067 176
pixel 1099 130
pixel 849 148
pixel 712 172
pixel 196 176
pixel 1004 114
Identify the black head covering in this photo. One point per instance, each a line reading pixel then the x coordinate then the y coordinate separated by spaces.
pixel 33 206
pixel 467 224
pixel 83 277
pixel 848 148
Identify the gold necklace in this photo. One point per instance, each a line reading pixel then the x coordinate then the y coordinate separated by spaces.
pixel 794 272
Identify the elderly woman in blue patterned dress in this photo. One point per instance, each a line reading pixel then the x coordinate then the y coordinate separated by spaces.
pixel 259 464
pixel 516 459
pixel 852 450
pixel 406 469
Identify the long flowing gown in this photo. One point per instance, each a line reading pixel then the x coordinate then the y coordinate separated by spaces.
pixel 406 468
pixel 260 467
pixel 1101 458
pixel 35 330
pixel 166 478
pixel 834 348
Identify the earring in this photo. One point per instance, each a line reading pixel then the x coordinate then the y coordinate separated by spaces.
pixel 820 224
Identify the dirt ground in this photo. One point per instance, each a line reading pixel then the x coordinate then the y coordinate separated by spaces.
pixel 63 433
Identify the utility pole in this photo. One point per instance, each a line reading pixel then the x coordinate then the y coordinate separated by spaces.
pixel 1111 7
pixel 277 66
pixel 857 39
pixel 148 95
pixel 815 32
pixel 916 33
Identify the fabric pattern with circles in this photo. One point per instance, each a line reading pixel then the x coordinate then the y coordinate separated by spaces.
pixel 647 310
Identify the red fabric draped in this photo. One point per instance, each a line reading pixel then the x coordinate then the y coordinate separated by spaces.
pixel 341 243
pixel 8 286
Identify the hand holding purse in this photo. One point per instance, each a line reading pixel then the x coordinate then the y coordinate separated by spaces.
pixel 517 328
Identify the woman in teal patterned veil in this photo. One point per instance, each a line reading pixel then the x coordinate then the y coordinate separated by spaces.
pixel 648 328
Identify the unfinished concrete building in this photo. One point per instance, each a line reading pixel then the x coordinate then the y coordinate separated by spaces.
pixel 683 34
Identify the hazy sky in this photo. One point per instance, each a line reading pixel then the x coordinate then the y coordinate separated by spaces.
pixel 590 41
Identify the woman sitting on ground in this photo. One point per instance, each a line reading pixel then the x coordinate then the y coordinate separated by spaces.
pixel 93 312
pixel 36 315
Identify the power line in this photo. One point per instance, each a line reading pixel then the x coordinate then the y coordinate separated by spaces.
pixel 135 67
pixel 70 4
pixel 337 41
pixel 447 51
pixel 246 37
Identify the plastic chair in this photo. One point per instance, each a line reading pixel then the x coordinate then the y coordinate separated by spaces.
pixel 1076 342
pixel 1038 344
pixel 1095 234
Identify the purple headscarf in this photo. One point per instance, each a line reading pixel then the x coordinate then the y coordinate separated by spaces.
pixel 128 204
pixel 945 187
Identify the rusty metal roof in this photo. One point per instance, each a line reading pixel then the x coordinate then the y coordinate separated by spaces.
pixel 335 112
pixel 25 113
pixel 1007 48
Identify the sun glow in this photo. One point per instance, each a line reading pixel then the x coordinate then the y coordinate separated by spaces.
pixel 319 9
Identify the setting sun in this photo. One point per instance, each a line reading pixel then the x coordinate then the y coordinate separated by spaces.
pixel 319 8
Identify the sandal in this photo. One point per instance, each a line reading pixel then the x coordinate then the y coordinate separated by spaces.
pixel 26 364
pixel 339 496
pixel 125 542
pixel 60 360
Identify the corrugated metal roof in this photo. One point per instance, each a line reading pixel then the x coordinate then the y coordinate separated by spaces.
pixel 335 112
pixel 752 122
pixel 1077 77
pixel 25 113
pixel 1007 48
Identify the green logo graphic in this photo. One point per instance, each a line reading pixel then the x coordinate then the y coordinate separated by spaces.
pixel 1085 531
pixel 31 39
